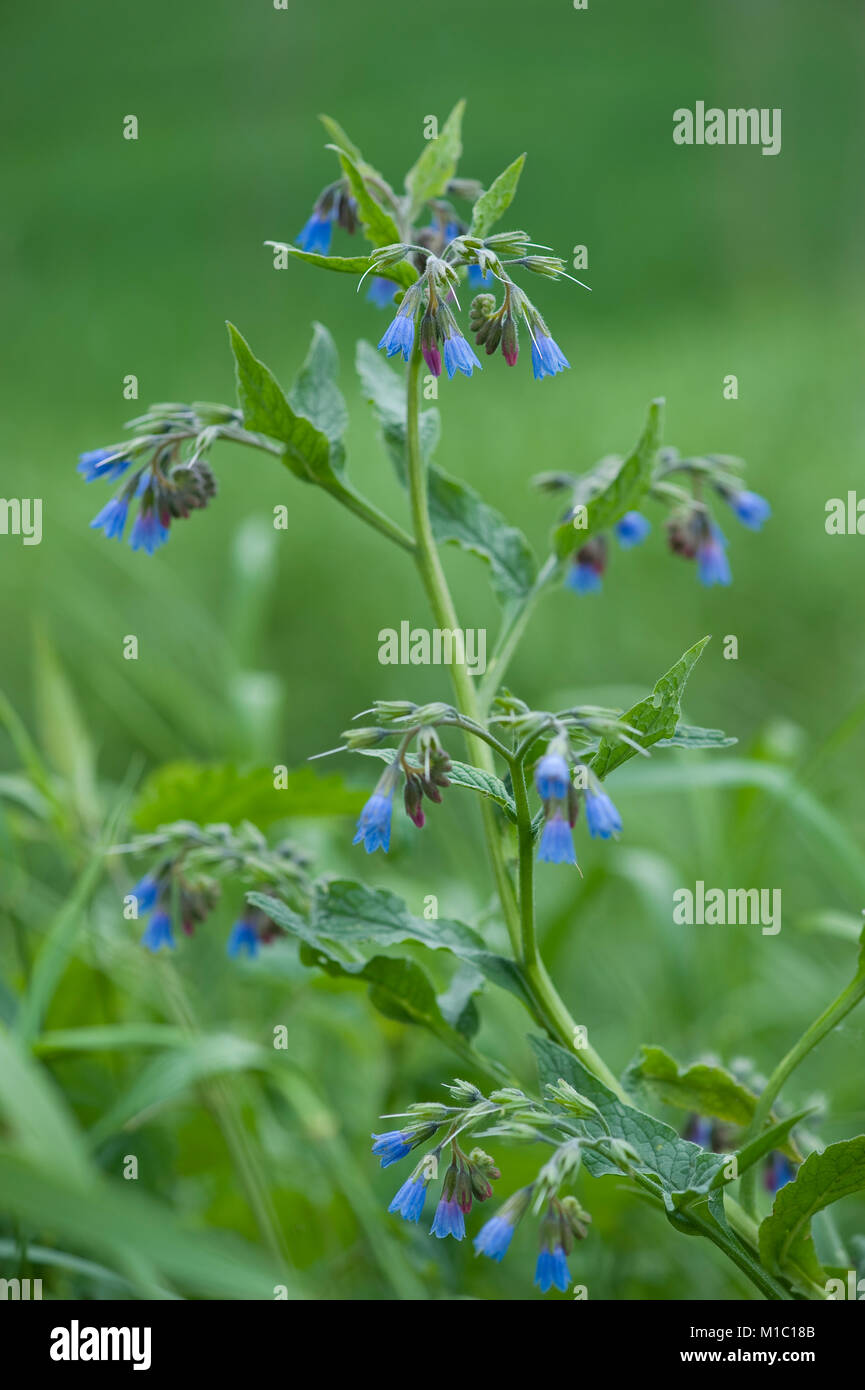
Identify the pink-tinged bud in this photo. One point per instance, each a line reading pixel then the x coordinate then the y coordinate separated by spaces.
pixel 510 343
pixel 429 345
pixel 413 799
pixel 433 359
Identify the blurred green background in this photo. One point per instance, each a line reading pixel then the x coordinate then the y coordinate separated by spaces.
pixel 126 257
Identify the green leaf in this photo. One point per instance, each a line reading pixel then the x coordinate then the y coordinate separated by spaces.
pixel 725 1237
pixel 708 1090
pixel 437 165
pixel 63 732
pixel 681 1169
pixel 267 411
pixel 689 736
pixel 339 138
pixel 777 1136
pixel 655 717
pixel 611 489
pixel 33 1117
pixel 378 225
pixel 315 393
pixel 786 1244
pixel 459 775
pixel 402 273
pixel 493 204
pixel 208 793
pixel 350 914
pixel 458 514
pixel 457 1003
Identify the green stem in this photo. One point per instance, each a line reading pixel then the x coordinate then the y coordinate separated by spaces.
pixel 511 632
pixel 829 1019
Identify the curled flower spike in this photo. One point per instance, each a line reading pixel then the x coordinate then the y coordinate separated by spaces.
pixel 159 932
pixel 712 564
pixel 602 817
pixel 243 940
pixel 631 529
pixel 409 1200
pixel 751 509
pixel 557 842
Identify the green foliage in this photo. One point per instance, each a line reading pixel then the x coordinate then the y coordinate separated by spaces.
pixel 223 792
pixel 494 203
pixel 708 1090
pixel 655 717
pixel 825 1177
pixel 437 164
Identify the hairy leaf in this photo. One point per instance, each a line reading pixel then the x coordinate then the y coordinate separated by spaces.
pixel 786 1243
pixel 707 1090
pixel 401 273
pixel 613 488
pixel 378 225
pixel 655 717
pixel 495 202
pixel 690 736
pixel 437 164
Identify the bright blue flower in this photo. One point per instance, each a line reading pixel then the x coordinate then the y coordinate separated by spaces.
pixel 751 509
pixel 399 336
pixel 448 1220
pixel 409 1201
pixel 316 234
pixel 374 824
pixel 712 564
pixel 459 356
pixel 95 465
pixel 557 842
pixel 551 777
pixel 583 578
pixel 393 1145
pixel 552 1270
pixel 148 533
pixel 158 932
pixel 243 938
pixel 632 529
pixel 547 356
pixel 381 292
pixel 602 817
pixel 478 278
pixel 145 893
pixel 112 518
pixel 494 1238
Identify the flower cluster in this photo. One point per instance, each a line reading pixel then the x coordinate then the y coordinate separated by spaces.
pixel 469 1178
pixel 561 796
pixel 426 778
pixel 161 484
pixel 182 887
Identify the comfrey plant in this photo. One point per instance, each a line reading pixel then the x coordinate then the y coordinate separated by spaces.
pixel 536 773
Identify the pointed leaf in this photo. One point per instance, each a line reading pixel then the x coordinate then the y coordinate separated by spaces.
pixel 655 717
pixel 437 165
pixel 786 1243
pixel 495 202
pixel 612 489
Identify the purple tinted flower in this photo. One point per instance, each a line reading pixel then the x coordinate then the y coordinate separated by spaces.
pixel 409 1201
pixel 459 356
pixel 112 518
pixel 448 1220
pixel 102 464
pixel 399 336
pixel 316 234
pixel 552 1270
pixel 393 1145
pixel 158 932
pixel 602 817
pixel 494 1238
pixel 145 892
pixel 631 529
pixel 243 939
pixel 699 1131
pixel 551 777
pixel 712 564
pixel 148 533
pixel 751 509
pixel 557 842
pixel 381 292
pixel 583 578
pixel 547 356
pixel 374 824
